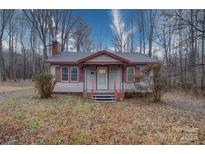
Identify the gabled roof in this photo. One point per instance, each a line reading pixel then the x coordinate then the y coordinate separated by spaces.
pixel 101 53
pixel 79 57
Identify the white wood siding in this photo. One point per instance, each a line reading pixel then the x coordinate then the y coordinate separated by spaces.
pixel 68 87
pixel 114 74
pixel 53 70
pixel 104 58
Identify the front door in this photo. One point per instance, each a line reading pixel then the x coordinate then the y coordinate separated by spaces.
pixel 102 78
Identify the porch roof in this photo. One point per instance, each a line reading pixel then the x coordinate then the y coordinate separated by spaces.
pixel 77 57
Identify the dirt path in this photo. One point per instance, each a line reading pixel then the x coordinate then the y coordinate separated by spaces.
pixel 185 106
pixel 185 102
pixel 20 93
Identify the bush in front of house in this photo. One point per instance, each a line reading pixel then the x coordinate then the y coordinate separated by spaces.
pixel 159 83
pixel 44 84
pixel 153 82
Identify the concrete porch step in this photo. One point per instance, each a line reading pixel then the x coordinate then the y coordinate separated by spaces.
pixel 102 97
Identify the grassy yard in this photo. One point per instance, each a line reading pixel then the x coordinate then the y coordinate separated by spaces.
pixel 26 119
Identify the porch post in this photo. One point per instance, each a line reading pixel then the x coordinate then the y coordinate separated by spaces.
pixel 123 80
pixel 84 81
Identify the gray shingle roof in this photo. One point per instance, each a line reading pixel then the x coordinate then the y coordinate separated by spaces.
pixel 70 56
pixel 75 56
pixel 135 57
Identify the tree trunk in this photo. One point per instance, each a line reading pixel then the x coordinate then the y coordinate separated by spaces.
pixel 2 65
pixel 193 58
pixel 203 56
pixel 140 37
pixel 180 54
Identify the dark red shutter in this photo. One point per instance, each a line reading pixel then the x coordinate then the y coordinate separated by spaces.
pixel 125 74
pixel 80 74
pixel 58 73
pixel 137 71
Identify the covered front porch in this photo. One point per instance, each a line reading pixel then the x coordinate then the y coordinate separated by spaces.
pixel 103 80
pixel 104 76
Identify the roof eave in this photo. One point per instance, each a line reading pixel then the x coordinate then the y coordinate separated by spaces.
pixel 103 52
pixel 61 62
pixel 157 62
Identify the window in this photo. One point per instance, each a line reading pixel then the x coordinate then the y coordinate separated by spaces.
pixel 130 74
pixel 64 73
pixel 74 73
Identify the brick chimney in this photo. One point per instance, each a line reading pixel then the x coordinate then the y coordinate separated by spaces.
pixel 55 48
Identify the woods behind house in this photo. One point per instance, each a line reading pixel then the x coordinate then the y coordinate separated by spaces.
pixel 175 37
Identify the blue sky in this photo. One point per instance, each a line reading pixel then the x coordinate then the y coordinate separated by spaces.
pixel 99 21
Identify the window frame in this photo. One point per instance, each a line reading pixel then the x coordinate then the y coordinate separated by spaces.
pixel 133 68
pixel 62 74
pixel 71 74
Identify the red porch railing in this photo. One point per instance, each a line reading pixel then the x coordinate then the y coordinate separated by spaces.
pixel 115 89
pixel 92 90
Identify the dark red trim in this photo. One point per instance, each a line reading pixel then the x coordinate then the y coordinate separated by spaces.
pixel 102 63
pixel 58 73
pixel 62 63
pixel 144 63
pixel 80 74
pixel 137 70
pixel 103 52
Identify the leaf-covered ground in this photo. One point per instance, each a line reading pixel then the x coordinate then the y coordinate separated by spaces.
pixel 26 119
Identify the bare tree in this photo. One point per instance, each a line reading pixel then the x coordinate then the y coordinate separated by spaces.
pixel 203 53
pixel 82 37
pixel 132 32
pixel 5 17
pixel 12 33
pixel 32 40
pixel 61 25
pixel 180 51
pixel 151 28
pixel 192 52
pixel 164 37
pixel 22 33
pixel 40 21
pixel 121 36
pixel 141 31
